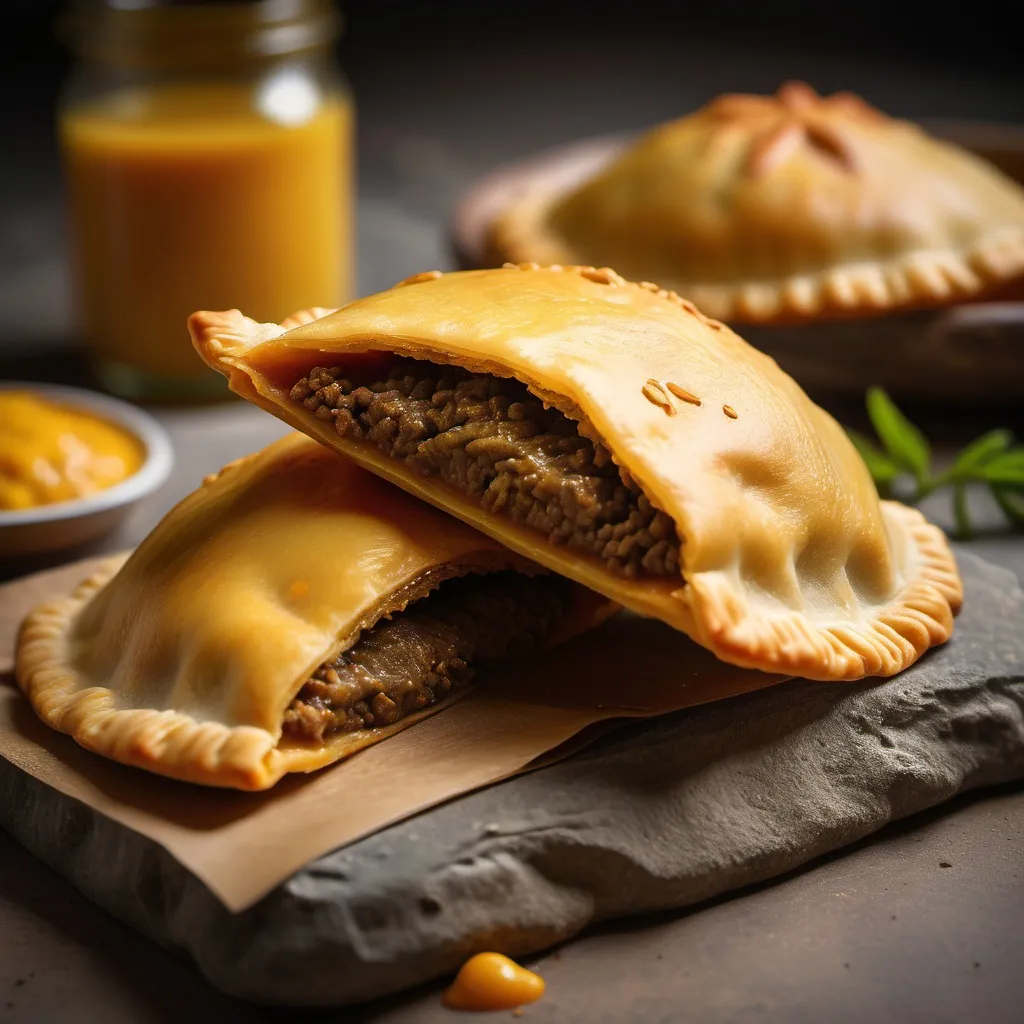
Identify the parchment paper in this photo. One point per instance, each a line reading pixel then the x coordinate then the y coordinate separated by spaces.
pixel 242 845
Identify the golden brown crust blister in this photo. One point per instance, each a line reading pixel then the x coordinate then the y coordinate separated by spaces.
pixel 182 659
pixel 785 209
pixel 789 561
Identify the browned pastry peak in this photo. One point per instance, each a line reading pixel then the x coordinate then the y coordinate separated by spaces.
pixel 795 116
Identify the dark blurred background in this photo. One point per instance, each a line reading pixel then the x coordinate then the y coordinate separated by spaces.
pixel 968 32
pixel 448 90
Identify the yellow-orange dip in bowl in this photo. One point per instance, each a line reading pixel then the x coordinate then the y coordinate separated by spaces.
pixel 72 463
pixel 52 452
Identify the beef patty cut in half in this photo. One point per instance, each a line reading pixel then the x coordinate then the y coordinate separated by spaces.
pixel 609 431
pixel 419 656
pixel 495 441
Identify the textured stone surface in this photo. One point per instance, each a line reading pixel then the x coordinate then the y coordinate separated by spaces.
pixel 662 814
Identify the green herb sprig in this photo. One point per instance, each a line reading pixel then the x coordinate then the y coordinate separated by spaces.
pixel 902 464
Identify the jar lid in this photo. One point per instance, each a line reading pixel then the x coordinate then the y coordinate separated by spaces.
pixel 193 33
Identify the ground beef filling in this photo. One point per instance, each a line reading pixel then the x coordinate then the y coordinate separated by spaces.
pixel 493 440
pixel 423 654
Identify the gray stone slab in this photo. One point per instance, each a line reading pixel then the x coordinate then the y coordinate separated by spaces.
pixel 660 815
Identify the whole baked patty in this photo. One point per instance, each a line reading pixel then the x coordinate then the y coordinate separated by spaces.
pixel 496 442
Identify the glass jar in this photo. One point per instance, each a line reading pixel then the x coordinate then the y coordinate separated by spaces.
pixel 207 150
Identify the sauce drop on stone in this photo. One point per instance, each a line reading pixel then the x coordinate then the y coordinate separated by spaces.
pixel 490 981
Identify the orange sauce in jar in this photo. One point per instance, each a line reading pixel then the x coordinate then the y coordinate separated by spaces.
pixel 203 195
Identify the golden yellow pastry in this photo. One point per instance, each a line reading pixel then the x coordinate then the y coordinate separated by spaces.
pixel 611 432
pixel 290 612
pixel 50 452
pixel 782 209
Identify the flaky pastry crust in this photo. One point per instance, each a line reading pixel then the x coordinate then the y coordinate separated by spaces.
pixel 789 562
pixel 182 659
pixel 785 209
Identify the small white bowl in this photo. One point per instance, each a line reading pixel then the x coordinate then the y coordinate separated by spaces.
pixel 69 524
